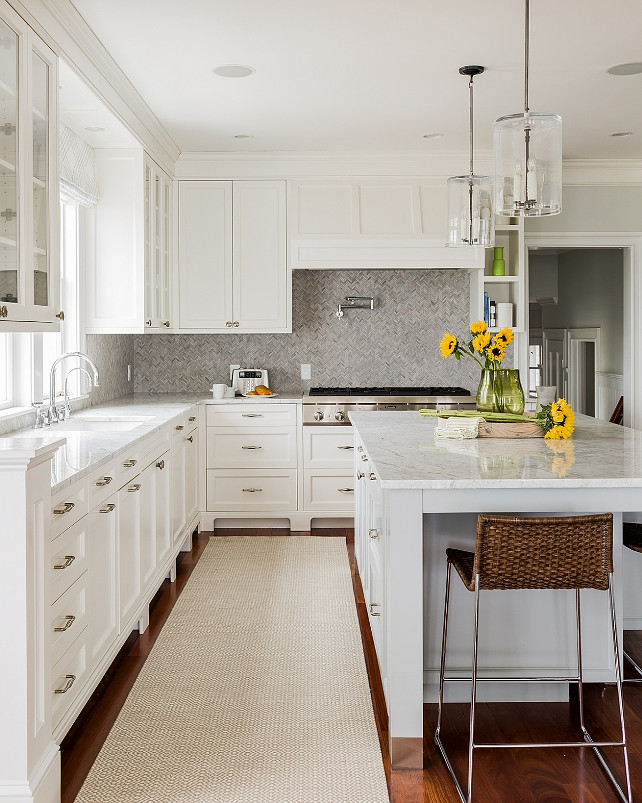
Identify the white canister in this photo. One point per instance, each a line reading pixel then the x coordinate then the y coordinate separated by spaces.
pixel 545 395
pixel 504 314
pixel 218 391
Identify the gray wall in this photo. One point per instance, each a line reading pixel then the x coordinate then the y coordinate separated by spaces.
pixel 396 343
pixel 594 208
pixel 590 287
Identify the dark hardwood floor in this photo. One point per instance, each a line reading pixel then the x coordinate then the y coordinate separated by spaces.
pixel 501 776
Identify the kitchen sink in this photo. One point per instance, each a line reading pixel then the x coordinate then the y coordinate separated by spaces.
pixel 102 423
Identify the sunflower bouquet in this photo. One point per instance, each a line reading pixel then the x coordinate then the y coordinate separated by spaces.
pixel 556 419
pixel 488 352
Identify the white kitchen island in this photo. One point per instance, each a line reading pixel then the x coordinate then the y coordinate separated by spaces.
pixel 417 495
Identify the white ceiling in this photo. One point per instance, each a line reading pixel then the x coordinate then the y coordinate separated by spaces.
pixel 376 75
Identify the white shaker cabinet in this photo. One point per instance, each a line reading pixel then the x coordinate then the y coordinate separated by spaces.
pixel 232 267
pixel 129 282
pixel 129 551
pixel 29 191
pixel 102 578
pixel 184 475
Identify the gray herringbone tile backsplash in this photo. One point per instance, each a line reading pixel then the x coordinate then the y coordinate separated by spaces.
pixel 397 343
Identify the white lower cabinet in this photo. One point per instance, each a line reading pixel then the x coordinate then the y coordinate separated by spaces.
pixel 328 469
pixel 184 474
pixel 129 552
pixel 246 490
pixel 102 578
pixel 112 544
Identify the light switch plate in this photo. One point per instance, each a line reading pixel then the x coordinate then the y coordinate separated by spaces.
pixel 306 370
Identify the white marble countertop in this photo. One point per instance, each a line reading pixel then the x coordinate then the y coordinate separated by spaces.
pixel 86 450
pixel 404 453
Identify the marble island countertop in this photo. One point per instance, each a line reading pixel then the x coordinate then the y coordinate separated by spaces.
pixel 405 453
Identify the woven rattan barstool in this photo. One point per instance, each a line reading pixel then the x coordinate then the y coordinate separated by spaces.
pixel 632 538
pixel 572 552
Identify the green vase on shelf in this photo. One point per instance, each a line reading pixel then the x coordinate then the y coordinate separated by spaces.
pixel 499 264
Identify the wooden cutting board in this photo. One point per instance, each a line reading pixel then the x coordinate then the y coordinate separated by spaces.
pixel 502 429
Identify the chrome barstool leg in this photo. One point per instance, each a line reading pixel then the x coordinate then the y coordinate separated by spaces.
pixel 635 666
pixel 580 685
pixel 473 693
pixel 626 797
pixel 442 673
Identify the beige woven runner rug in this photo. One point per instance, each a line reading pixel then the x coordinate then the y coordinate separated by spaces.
pixel 256 689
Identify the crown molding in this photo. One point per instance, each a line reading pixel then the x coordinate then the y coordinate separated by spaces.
pixel 61 26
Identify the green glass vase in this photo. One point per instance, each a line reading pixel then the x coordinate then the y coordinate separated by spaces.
pixel 499 263
pixel 500 391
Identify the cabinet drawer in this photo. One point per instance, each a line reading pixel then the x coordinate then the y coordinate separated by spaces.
pixel 103 483
pixel 68 557
pixel 128 465
pixel 267 489
pixel 248 415
pixel 154 446
pixel 68 507
pixel 185 421
pixel 68 677
pixel 68 618
pixel 325 489
pixel 328 447
pixel 255 447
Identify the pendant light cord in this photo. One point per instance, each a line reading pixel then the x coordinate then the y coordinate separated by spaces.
pixel 526 38
pixel 470 122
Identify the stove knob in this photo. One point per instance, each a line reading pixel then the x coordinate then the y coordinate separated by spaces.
pixel 340 416
pixel 318 416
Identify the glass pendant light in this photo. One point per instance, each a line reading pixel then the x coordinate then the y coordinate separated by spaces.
pixel 528 157
pixel 470 198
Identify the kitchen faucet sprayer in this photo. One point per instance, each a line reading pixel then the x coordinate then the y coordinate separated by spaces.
pixel 54 412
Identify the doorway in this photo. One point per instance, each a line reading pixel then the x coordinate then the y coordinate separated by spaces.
pixel 578 324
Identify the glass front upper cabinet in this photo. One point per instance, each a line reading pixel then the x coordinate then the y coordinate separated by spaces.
pixel 29 260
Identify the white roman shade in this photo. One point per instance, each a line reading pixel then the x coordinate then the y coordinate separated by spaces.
pixel 77 175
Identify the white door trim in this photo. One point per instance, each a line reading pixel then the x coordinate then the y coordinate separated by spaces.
pixel 631 243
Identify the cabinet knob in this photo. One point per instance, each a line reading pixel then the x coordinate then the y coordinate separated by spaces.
pixel 133 488
pixel 236 323
pixel 61 315
pixel 103 481
pixel 4 311
pixel 190 439
pixel 251 490
pixel 160 464
pixel 179 427
pixel 228 324
pixel 130 463
pixel 166 323
pixel 109 508
pixel 374 605
pixel 345 447
pixel 374 533
pixel 360 475
pixel 346 490
pixel 373 475
pixel 192 418
pixel 148 322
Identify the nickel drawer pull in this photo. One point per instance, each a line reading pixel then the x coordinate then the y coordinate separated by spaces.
pixel 251 415
pixel 190 439
pixel 69 559
pixel 374 533
pixel 251 490
pixel 64 508
pixel 364 457
pixel 179 427
pixel 108 508
pixel 130 463
pixel 160 464
pixel 373 475
pixel 360 475
pixel 346 490
pixel 251 447
pixel 345 447
pixel 373 612
pixel 71 679
pixel 70 620
pixel 192 418
pixel 103 481
pixel 133 488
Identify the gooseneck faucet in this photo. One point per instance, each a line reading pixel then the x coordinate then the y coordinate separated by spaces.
pixel 54 412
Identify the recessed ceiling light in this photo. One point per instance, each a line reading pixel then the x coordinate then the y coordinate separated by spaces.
pixel 631 68
pixel 433 136
pixel 234 70
pixel 622 134
pixel 243 136
pixel 94 128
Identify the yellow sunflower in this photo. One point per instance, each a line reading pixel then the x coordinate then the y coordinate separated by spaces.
pixel 448 345
pixel 495 352
pixel 504 337
pixel 481 341
pixel 478 327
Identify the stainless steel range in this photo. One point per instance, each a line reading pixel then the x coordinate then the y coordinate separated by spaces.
pixel 332 405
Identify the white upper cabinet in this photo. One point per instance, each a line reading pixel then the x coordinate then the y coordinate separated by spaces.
pixel 370 223
pixel 29 206
pixel 232 267
pixel 129 284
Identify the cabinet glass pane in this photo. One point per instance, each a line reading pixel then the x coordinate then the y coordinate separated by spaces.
pixel 149 310
pixel 40 122
pixel 158 229
pixel 166 262
pixel 9 285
